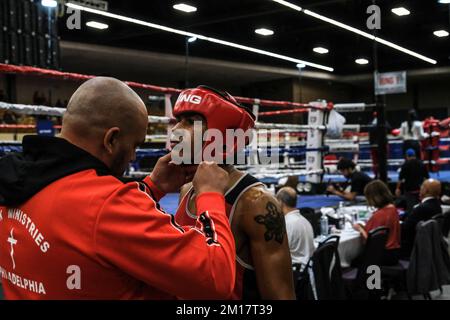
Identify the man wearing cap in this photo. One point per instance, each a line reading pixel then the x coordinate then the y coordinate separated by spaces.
pixel 263 262
pixel 412 174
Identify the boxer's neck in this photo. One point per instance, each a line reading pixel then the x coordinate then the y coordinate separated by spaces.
pixel 234 174
pixel 230 169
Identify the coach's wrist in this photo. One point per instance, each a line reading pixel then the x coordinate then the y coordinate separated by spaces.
pixel 157 191
pixel 211 202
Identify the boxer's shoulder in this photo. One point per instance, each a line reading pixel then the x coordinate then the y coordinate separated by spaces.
pixel 255 201
pixel 255 195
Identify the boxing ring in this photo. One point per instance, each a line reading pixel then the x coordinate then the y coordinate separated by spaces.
pixel 304 150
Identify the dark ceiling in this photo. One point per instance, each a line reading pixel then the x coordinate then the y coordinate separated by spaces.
pixel 296 34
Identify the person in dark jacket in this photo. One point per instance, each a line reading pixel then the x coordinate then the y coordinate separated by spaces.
pixel 374 134
pixel 412 174
pixel 430 206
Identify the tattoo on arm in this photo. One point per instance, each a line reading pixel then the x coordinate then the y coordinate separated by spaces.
pixel 274 222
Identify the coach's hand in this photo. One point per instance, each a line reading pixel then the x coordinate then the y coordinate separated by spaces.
pixel 210 178
pixel 169 177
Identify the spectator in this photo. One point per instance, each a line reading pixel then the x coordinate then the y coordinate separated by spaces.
pixel 299 231
pixel 373 141
pixel 412 175
pixel 59 104
pixel 430 206
pixel 358 180
pixel 38 99
pixel 411 131
pixel 9 118
pixel 379 197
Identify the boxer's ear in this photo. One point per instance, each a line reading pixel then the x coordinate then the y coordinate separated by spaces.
pixel 111 139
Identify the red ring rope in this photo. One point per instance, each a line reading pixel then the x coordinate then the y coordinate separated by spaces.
pixel 281 112
pixel 25 70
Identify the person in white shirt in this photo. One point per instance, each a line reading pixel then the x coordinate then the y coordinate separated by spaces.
pixel 299 230
pixel 411 131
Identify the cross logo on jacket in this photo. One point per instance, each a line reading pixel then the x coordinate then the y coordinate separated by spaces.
pixel 13 242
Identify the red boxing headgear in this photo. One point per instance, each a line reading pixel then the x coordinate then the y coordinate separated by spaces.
pixel 220 110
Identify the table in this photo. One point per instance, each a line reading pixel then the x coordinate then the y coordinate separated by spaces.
pixel 350 245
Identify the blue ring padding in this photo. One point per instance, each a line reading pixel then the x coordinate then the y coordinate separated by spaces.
pixel 143 153
pixel 395 152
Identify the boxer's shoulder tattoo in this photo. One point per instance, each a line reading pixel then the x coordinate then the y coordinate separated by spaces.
pixel 274 222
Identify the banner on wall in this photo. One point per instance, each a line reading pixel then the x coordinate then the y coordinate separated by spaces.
pixel 390 82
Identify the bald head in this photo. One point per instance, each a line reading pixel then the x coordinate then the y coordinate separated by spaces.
pixel 288 199
pixel 102 103
pixel 104 115
pixel 430 188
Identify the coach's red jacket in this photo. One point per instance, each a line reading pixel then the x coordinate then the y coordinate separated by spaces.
pixel 70 230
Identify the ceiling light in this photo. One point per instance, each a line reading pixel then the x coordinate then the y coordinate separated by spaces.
pixel 97 25
pixel 49 3
pixel 362 33
pixel 401 11
pixel 362 61
pixel 320 50
pixel 184 7
pixel 192 39
pixel 288 4
pixel 441 33
pixel 444 1
pixel 264 32
pixel 369 36
pixel 199 36
pixel 301 65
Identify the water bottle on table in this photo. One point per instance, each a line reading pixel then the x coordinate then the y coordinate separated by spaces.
pixel 355 216
pixel 341 216
pixel 324 225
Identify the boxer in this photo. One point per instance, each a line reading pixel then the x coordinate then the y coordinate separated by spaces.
pixel 263 263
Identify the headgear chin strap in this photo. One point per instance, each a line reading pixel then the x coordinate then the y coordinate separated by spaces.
pixel 220 110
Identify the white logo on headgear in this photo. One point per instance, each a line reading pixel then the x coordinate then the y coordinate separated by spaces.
pixel 190 98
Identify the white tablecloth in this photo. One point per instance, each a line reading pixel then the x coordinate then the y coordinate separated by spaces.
pixel 350 246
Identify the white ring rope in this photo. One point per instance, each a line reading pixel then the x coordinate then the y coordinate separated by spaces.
pixel 158 120
pixel 156 137
pixel 258 173
pixel 350 107
pixel 32 110
pixel 57 112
